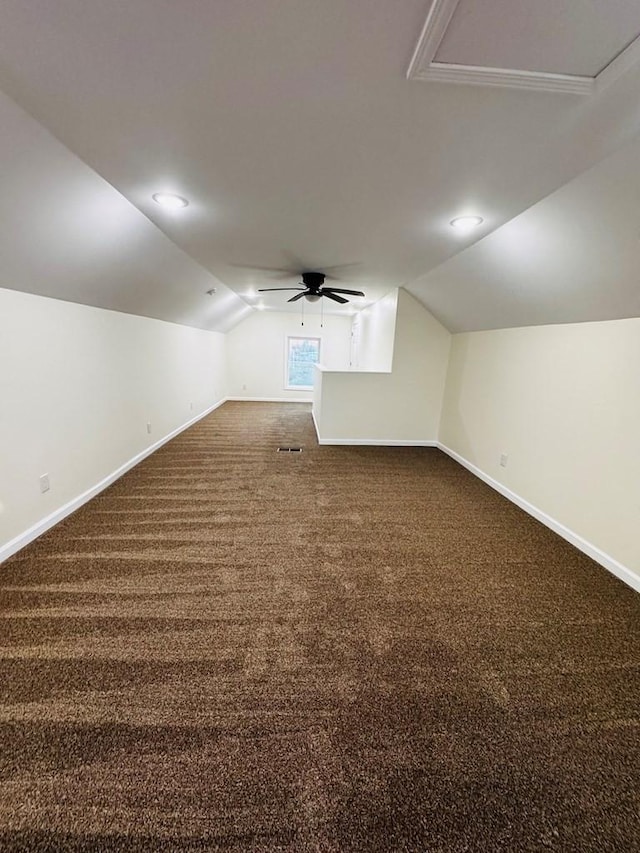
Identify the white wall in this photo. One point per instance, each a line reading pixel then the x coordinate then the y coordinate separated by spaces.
pixel 374 331
pixel 256 351
pixel 564 403
pixel 402 406
pixel 77 387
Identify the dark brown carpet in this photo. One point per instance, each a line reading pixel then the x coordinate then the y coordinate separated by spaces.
pixel 351 649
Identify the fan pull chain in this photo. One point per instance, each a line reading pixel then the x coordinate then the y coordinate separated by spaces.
pixel 302 305
pixel 321 313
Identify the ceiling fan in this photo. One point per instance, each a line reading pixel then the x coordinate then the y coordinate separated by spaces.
pixel 312 288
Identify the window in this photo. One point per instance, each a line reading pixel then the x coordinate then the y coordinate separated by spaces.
pixel 302 355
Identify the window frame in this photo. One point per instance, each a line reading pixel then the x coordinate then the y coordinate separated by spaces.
pixel 287 349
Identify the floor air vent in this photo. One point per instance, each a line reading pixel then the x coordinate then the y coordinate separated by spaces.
pixel 289 450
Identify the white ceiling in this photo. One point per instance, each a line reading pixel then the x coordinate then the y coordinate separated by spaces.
pixel 292 129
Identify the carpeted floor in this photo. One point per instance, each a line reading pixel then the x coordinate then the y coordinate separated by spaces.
pixel 348 649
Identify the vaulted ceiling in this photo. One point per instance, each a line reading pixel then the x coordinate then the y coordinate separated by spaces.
pixel 291 127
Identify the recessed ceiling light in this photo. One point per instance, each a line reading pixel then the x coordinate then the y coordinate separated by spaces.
pixel 466 223
pixel 170 200
pixel 260 307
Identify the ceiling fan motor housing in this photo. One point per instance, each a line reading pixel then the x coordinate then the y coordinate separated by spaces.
pixel 313 280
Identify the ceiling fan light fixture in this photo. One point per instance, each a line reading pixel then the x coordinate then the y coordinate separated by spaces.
pixel 312 289
pixel 170 201
pixel 465 224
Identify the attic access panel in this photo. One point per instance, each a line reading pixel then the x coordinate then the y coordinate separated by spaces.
pixel 552 45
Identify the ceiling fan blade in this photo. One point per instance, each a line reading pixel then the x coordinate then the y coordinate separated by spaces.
pixel 287 270
pixel 342 266
pixel 293 261
pixel 297 268
pixel 332 296
pixel 342 290
pixel 266 289
pixel 297 296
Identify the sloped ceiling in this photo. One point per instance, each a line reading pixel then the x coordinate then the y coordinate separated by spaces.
pixel 68 234
pixel 293 131
pixel 573 257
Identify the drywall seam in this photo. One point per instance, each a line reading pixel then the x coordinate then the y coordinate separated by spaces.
pixel 315 425
pixel 18 542
pixel 622 572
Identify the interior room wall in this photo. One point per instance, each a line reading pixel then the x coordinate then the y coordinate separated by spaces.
pixel 78 386
pixel 256 351
pixel 563 404
pixel 373 333
pixel 398 407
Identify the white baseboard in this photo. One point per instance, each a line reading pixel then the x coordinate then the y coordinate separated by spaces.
pixel 17 543
pixel 378 442
pixel 265 400
pixel 605 560
pixel 372 442
pixel 616 568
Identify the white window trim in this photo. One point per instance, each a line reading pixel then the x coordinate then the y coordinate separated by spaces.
pixel 288 338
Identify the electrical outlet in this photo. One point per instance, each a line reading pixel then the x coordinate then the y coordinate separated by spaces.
pixel 504 458
pixel 244 387
pixel 149 427
pixel 191 405
pixel 45 485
